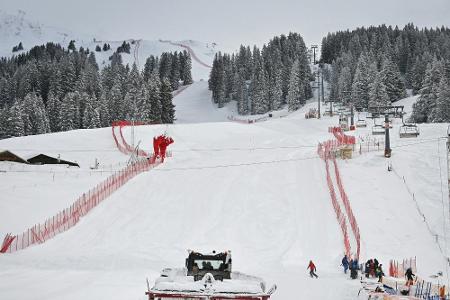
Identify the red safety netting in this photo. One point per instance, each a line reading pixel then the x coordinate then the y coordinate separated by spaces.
pixel 398 269
pixel 341 137
pixel 348 209
pixel 122 144
pixel 68 217
pixel 326 151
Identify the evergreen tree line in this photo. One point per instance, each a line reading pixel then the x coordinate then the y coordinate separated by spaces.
pixel 106 47
pixel 18 47
pixel 375 66
pixel 263 80
pixel 50 89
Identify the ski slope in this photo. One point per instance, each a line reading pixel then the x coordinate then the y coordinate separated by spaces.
pixel 258 190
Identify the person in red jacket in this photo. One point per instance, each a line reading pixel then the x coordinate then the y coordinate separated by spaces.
pixel 165 141
pixel 312 269
pixel 155 146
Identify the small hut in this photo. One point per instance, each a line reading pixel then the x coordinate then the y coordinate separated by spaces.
pixel 6 155
pixel 43 159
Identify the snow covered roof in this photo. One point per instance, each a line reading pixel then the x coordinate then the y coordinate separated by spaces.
pixel 6 155
pixel 238 284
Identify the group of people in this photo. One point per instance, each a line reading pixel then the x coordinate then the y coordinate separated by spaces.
pixel 373 268
pixel 160 144
pixel 352 265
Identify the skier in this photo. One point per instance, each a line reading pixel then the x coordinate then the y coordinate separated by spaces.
pixel 345 263
pixel 165 141
pixel 312 269
pixel 379 273
pixel 367 267
pixel 354 267
pixel 409 277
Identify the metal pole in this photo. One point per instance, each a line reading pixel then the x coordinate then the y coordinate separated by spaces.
pixel 387 147
pixel 352 122
pixel 323 92
pixel 318 94
pixel 314 47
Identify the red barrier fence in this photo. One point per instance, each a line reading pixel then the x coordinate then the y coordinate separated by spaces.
pixel 124 147
pixel 348 209
pixel 69 217
pixel 397 269
pixel 341 137
pixel 326 151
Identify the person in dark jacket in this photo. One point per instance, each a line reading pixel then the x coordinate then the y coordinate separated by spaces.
pixel 345 263
pixel 354 268
pixel 312 269
pixel 409 277
pixel 367 268
pixel 379 272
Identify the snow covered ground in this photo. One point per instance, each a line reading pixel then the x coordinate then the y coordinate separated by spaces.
pixel 256 189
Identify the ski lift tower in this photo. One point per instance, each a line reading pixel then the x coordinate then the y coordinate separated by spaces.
pixel 314 48
pixel 346 100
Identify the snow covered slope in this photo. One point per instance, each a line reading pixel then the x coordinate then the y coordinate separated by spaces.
pixel 15 28
pixel 258 190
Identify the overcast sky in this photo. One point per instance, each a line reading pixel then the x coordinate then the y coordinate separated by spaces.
pixel 227 22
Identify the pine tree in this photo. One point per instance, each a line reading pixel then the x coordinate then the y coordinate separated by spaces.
pixel 175 72
pixel 442 111
pixel 165 66
pixel 69 113
pixel 360 86
pixel 392 79
pixel 276 92
pixel 15 121
pixel 378 95
pixel 259 97
pixel 150 67
pixel 53 111
pixel 168 109
pixel 34 116
pixel 187 69
pixel 428 94
pixel 68 76
pixel 116 101
pixel 103 111
pixel 241 94
pixel 334 82
pixel 296 92
pixel 345 84
pixel 154 98
pixel 72 46
pixel 91 117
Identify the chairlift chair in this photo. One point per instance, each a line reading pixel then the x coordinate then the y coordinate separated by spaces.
pixel 378 129
pixel 343 122
pixel 361 123
pixel 409 130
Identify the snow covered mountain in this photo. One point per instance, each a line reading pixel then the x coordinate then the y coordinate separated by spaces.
pixel 16 28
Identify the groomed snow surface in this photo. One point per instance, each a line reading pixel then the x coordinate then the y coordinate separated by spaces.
pixel 258 190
